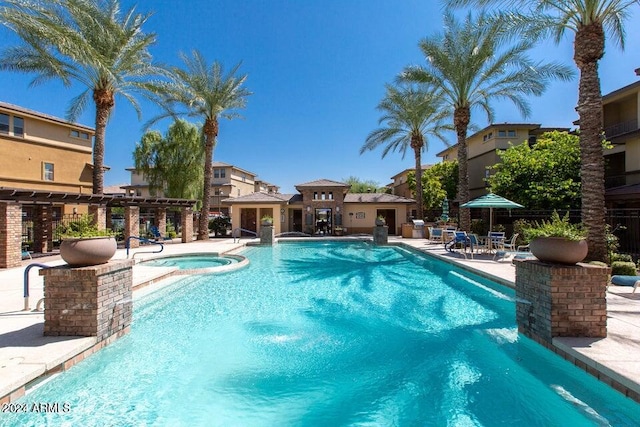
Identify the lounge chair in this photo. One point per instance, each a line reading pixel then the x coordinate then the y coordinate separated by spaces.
pixel 460 239
pixel 620 280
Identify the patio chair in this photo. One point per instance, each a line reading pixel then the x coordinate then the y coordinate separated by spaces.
pixel 435 235
pixel 156 233
pixel 511 244
pixel 472 244
pixel 496 240
pixel 460 240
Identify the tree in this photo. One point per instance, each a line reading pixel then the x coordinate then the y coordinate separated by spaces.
pixel 207 93
pixel 473 63
pixel 438 183
pixel 588 19
pixel 410 113
pixel 545 176
pixel 174 164
pixel 363 186
pixel 85 41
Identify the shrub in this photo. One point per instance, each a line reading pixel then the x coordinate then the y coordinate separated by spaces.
pixel 621 257
pixel 557 227
pixel 81 227
pixel 171 231
pixel 598 263
pixel 623 268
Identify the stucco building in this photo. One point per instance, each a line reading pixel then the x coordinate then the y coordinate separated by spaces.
pixel 42 152
pixel 321 207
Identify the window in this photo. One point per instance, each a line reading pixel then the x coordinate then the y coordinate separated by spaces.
pixel 511 133
pixel 18 126
pixel 502 133
pixel 330 195
pixel 484 138
pixel 4 123
pixel 219 173
pixel 47 171
pixel 244 178
pixel 315 195
pixel 78 134
pixel 490 135
pixel 323 195
pixel 138 193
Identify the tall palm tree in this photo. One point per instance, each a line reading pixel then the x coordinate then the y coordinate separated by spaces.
pixel 474 63
pixel 410 114
pixel 90 42
pixel 588 19
pixel 207 93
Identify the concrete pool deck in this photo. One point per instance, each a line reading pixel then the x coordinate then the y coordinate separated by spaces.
pixel 26 355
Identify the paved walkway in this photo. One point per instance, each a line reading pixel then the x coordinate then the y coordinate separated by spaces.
pixel 25 353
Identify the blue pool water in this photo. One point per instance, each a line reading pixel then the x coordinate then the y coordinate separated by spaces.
pixel 324 334
pixel 188 262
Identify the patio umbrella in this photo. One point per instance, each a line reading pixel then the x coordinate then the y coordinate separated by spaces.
pixel 445 210
pixel 491 201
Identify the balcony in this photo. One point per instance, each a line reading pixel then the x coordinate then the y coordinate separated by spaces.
pixel 621 128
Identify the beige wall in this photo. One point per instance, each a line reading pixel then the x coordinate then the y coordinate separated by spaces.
pixel 353 224
pixel 261 209
pixel 22 158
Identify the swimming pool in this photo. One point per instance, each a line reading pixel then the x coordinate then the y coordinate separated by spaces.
pixel 328 334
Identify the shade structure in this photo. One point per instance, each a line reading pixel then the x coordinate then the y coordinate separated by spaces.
pixel 445 210
pixel 491 201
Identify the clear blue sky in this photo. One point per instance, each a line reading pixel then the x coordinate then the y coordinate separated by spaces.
pixel 317 69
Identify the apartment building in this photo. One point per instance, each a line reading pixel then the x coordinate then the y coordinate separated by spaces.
pixel 43 152
pixel 482 149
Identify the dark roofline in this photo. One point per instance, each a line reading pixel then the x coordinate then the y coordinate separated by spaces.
pixel 620 91
pixel 50 197
pixel 48 117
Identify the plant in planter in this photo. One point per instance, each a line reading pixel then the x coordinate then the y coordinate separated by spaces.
pixel 338 230
pixel 380 220
pixel 557 240
pixel 83 244
pixel 266 220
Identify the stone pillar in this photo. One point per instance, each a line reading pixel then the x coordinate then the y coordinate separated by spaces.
pixel 555 300
pixel 42 229
pixel 187 225
pixel 10 235
pixel 99 214
pixel 380 234
pixel 132 225
pixel 92 301
pixel 161 221
pixel 267 235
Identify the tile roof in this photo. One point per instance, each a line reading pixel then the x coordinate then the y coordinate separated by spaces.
pixel 375 198
pixel 35 113
pixel 323 183
pixel 260 198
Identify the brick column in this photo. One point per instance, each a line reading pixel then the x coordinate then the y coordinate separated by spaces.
pixel 42 229
pixel 132 225
pixel 161 221
pixel 187 225
pixel 554 300
pixel 92 301
pixel 99 214
pixel 10 235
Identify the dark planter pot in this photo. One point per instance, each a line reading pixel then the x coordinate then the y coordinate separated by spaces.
pixel 559 250
pixel 380 222
pixel 88 251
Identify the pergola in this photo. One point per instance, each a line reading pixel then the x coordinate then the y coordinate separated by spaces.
pixel 12 200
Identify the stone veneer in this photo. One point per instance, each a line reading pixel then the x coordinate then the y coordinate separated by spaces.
pixel 10 235
pixel 554 300
pixel 186 224
pixel 88 301
pixel 380 234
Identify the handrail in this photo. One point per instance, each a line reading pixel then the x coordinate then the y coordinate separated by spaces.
pixel 127 244
pixel 26 283
pixel 243 230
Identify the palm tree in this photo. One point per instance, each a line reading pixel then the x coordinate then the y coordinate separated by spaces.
pixel 207 93
pixel 410 113
pixel 90 42
pixel 588 19
pixel 474 64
